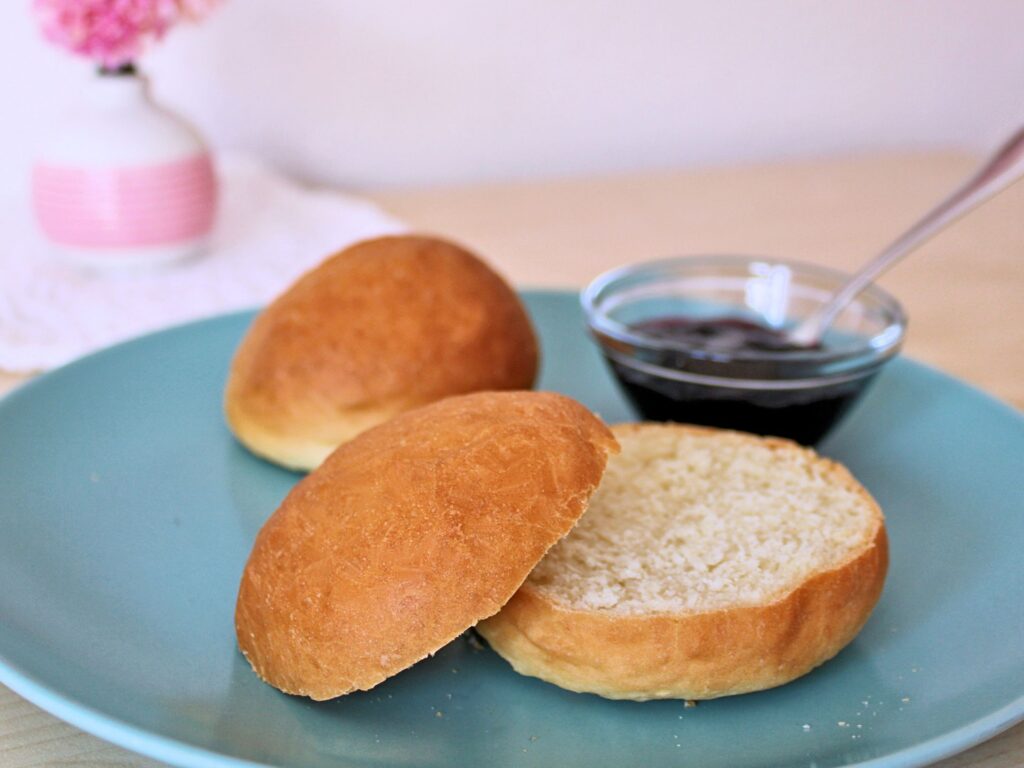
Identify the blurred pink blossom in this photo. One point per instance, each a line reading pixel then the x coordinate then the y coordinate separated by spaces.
pixel 113 32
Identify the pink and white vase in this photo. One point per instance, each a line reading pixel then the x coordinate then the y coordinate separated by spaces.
pixel 123 181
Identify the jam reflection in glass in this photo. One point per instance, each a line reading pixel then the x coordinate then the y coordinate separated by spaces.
pixel 804 414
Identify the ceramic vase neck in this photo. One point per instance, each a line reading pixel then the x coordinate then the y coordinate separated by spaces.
pixel 119 88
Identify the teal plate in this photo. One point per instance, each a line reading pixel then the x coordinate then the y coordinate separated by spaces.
pixel 127 512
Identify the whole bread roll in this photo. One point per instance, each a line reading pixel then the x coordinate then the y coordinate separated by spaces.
pixel 379 328
pixel 410 534
pixel 709 563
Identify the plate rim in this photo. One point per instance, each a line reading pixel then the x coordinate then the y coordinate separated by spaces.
pixel 112 729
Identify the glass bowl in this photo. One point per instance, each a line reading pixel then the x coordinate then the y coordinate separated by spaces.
pixel 796 393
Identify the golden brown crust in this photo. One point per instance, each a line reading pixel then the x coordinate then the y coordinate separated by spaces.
pixel 411 533
pixel 381 327
pixel 696 655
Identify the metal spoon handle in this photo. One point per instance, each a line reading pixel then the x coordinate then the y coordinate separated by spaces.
pixel 999 171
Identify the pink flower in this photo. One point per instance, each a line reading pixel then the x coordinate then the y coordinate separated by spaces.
pixel 112 32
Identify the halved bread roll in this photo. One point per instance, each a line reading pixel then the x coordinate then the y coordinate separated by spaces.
pixel 709 563
pixel 379 328
pixel 411 533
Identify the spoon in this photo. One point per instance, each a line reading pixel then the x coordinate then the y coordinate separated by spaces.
pixel 998 172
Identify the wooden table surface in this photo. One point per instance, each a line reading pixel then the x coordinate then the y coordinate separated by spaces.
pixel 963 293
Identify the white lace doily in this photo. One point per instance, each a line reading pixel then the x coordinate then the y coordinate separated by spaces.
pixel 269 230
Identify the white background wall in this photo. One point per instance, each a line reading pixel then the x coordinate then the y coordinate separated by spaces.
pixel 392 92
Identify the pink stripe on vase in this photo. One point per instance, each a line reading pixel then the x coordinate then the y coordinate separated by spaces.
pixel 127 207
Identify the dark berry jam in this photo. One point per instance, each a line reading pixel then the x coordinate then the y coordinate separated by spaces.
pixel 720 334
pixel 735 400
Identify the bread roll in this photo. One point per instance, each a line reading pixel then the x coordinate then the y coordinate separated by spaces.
pixel 709 563
pixel 379 328
pixel 410 534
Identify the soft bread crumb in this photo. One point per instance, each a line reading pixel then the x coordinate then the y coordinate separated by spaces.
pixel 696 521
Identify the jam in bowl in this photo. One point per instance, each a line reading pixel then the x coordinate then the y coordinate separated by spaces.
pixel 702 340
